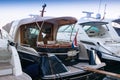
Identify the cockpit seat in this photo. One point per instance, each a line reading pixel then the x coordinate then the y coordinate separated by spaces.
pixel 92 33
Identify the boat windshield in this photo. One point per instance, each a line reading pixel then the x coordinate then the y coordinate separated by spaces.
pixel 95 28
pixel 69 32
pixel 67 28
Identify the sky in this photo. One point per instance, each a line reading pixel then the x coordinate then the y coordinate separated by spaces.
pixel 17 9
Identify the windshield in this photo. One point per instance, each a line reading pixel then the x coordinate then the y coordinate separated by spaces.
pixel 69 32
pixel 95 28
pixel 67 28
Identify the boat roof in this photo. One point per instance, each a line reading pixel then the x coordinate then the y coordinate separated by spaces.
pixel 93 23
pixel 54 20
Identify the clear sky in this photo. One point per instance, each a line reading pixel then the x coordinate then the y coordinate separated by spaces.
pixel 16 9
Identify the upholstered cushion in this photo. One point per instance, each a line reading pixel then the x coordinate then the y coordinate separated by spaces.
pixel 40 43
pixel 51 42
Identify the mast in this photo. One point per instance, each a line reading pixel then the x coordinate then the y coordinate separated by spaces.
pixel 43 10
pixel 99 6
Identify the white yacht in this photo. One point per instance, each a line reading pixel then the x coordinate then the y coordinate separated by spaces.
pixel 10 66
pixel 100 35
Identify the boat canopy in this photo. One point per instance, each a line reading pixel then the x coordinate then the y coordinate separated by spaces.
pixel 58 21
pixel 62 20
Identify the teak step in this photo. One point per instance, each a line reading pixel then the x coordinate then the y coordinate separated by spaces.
pixel 5 68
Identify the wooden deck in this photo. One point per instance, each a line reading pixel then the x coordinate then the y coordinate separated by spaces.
pixel 12 77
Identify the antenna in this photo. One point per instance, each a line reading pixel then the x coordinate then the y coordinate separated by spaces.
pixel 104 12
pixel 88 14
pixel 43 10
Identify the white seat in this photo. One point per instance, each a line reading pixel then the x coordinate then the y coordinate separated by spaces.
pixel 51 42
pixel 91 33
pixel 40 43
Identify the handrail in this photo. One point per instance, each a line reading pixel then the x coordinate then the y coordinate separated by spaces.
pixel 105 48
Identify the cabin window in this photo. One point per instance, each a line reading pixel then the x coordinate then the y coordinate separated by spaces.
pixel 29 34
pixel 32 33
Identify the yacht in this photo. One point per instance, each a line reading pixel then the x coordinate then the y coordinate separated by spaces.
pixel 99 34
pixel 10 66
pixel 42 56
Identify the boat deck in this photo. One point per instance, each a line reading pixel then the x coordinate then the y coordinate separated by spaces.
pixel 80 66
pixel 77 69
pixel 12 77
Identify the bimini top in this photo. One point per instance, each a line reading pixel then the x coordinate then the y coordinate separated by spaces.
pixel 54 20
